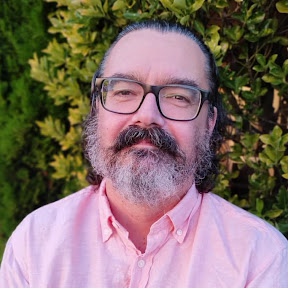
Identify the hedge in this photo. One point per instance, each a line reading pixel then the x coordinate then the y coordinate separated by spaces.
pixel 249 41
pixel 25 173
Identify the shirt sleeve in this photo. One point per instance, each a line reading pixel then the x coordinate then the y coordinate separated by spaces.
pixel 11 272
pixel 275 273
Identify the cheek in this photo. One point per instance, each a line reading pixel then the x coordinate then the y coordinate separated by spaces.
pixel 188 134
pixel 109 126
pixel 184 136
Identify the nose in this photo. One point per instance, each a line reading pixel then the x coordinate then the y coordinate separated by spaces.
pixel 148 114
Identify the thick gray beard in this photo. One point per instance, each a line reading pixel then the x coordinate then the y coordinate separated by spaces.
pixel 147 176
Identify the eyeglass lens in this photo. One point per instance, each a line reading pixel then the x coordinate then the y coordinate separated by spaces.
pixel 175 101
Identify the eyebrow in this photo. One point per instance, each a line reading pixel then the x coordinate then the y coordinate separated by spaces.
pixel 167 81
pixel 182 81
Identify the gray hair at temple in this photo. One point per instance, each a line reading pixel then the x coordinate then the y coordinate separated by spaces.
pixel 206 182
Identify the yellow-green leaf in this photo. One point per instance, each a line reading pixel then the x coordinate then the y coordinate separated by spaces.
pixel 272 214
pixel 282 6
pixel 119 4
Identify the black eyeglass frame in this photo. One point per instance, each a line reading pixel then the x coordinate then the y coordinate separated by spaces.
pixel 154 89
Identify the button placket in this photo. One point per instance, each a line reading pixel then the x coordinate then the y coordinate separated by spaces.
pixel 140 272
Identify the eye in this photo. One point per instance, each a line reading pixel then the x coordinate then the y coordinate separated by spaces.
pixel 177 98
pixel 181 98
pixel 123 93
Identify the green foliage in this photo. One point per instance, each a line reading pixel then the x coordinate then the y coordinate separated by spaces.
pixel 249 41
pixel 25 175
pixel 268 169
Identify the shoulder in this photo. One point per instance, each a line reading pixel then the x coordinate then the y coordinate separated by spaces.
pixel 53 230
pixel 243 225
pixel 251 243
pixel 66 206
pixel 58 216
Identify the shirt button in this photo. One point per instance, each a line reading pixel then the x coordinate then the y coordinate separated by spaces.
pixel 179 232
pixel 141 263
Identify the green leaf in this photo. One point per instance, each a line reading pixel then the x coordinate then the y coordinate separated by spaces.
pixel 266 32
pixel 71 139
pixel 251 38
pixel 184 20
pixel 105 6
pixel 284 164
pixel 276 132
pixel 249 96
pixel 250 140
pixel 196 5
pixel 91 12
pixel 268 27
pixel 170 6
pixel 256 18
pixel 267 139
pixel 181 4
pixel 285 67
pixel 282 6
pixel 273 154
pixel 75 116
pixel 221 4
pixel 119 4
pixel 52 128
pixel 261 59
pixel 265 159
pixel 240 81
pixel 258 68
pixel 234 33
pixel 250 11
pixel 276 70
pixel 213 39
pixel 259 205
pixel 199 27
pixel 283 198
pixel 283 227
pixel 272 214
pixel 283 141
pixel 213 29
pixel 40 69
pixel 272 59
pixel 62 166
pixel 272 79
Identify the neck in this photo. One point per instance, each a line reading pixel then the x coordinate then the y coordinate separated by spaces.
pixel 136 219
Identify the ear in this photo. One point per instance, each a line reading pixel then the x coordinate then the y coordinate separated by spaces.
pixel 212 120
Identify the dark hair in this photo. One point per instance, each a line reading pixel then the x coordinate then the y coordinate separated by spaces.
pixel 208 182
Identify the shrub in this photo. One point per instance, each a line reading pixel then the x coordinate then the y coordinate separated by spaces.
pixel 249 41
pixel 25 180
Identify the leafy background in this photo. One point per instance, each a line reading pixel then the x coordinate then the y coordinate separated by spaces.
pixel 43 103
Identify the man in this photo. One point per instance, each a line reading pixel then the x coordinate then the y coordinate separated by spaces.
pixel 156 121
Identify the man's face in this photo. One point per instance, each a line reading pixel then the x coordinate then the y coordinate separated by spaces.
pixel 156 59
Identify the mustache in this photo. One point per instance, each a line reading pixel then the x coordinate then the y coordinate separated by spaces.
pixel 155 135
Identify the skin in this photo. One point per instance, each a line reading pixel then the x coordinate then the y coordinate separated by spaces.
pixel 153 58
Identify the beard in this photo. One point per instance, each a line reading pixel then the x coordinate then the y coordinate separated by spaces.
pixel 152 175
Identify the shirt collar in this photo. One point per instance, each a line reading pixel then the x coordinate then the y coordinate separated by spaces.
pixel 179 216
pixel 106 216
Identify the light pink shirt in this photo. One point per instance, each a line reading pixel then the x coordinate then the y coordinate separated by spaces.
pixel 203 242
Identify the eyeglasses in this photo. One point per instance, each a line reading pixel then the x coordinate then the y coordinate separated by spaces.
pixel 175 102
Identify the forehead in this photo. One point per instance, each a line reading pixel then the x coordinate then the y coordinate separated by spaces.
pixel 153 57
